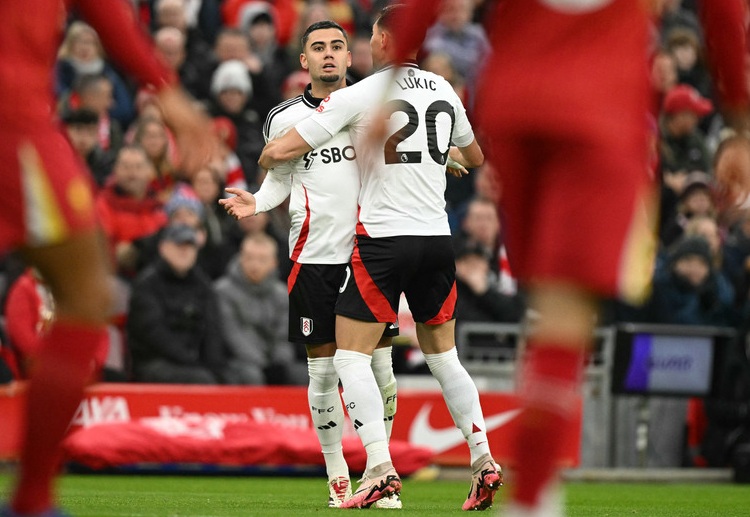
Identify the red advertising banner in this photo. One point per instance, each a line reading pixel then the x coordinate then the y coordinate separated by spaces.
pixel 422 419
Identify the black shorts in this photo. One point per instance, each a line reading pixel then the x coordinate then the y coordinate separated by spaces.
pixel 313 290
pixel 422 267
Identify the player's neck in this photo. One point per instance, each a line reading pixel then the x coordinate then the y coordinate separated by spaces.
pixel 321 90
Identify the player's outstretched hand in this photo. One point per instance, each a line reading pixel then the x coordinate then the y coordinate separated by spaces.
pixel 197 142
pixel 239 206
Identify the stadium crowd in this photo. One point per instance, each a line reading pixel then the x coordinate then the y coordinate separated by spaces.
pixel 202 297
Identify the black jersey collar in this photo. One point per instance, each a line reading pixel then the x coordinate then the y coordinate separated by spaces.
pixel 314 102
pixel 308 99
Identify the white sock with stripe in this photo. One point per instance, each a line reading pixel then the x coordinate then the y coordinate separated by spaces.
pixel 363 403
pixel 462 398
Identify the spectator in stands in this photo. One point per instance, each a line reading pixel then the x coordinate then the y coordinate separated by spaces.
pixel 312 12
pixel 173 317
pixel 260 26
pixel 201 16
pixel 270 223
pixel 464 41
pixel 683 144
pixel 234 44
pixel 184 207
pixel 486 185
pixel 478 296
pixel 688 290
pixel 441 63
pixel 674 16
pixel 231 91
pixel 736 253
pixel 706 227
pixel 663 72
pixel 171 43
pixel 481 226
pixel 96 92
pixel 173 13
pixel 361 65
pixel 153 136
pixel 220 227
pixel 349 14
pixel 696 199
pixel 81 53
pixel 254 311
pixel 128 207
pixel 285 15
pixel 81 126
pixel 295 84
pixel 228 164
pixel 685 46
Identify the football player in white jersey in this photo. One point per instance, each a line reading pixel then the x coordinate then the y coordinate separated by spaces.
pixel 324 185
pixel 403 245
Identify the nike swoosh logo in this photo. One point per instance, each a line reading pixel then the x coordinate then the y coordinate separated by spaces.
pixel 441 440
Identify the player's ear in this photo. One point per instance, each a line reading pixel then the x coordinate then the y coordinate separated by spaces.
pixel 303 61
pixel 385 40
pixel 348 59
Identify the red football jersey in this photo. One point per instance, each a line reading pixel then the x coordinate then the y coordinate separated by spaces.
pixel 31 32
pixel 47 195
pixel 527 27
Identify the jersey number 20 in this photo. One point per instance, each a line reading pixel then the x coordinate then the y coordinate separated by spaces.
pixel 392 155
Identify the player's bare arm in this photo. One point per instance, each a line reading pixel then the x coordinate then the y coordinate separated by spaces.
pixel 470 156
pixel 239 206
pixel 283 149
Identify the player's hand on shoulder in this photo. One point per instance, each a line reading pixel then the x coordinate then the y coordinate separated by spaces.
pixel 239 206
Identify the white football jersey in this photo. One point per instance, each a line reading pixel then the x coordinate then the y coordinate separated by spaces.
pixel 403 177
pixel 324 186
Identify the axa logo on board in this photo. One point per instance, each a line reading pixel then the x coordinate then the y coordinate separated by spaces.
pixel 99 410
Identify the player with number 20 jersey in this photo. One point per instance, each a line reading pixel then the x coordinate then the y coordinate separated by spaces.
pixel 402 192
pixel 402 185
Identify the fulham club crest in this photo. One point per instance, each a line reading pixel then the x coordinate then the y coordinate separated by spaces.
pixel 306 325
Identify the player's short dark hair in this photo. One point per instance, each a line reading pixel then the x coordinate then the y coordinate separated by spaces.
pixel 386 20
pixel 324 24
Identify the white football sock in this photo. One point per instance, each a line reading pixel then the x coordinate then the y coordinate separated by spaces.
pixel 382 368
pixel 363 403
pixel 462 398
pixel 327 413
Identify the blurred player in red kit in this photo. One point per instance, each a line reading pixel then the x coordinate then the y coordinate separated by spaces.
pixel 562 106
pixel 47 211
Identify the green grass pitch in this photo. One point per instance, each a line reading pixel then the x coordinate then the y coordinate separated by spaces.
pixel 189 496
